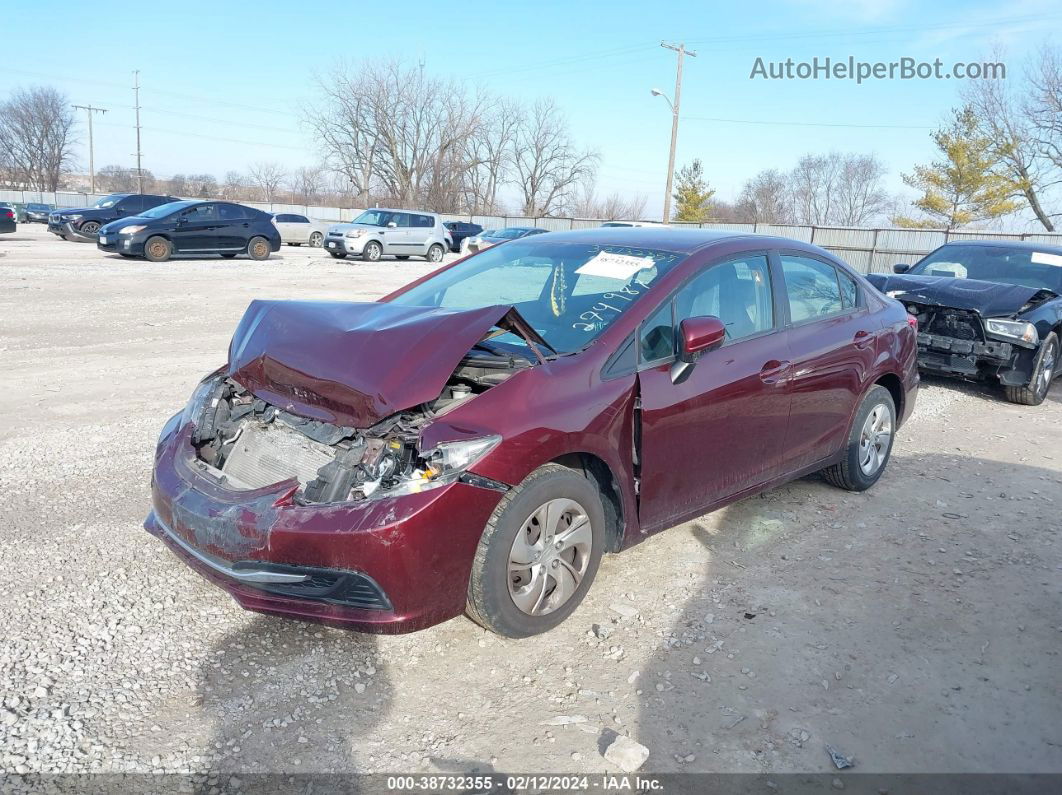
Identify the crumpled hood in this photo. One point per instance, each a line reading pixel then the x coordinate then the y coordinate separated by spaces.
pixel 354 364
pixel 989 299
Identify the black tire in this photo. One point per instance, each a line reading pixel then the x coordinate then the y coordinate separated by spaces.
pixel 316 239
pixel 338 254
pixel 89 228
pixel 228 254
pixel 435 253
pixel 372 251
pixel 1034 392
pixel 157 249
pixel 849 473
pixel 490 603
pixel 258 248
pixel 401 256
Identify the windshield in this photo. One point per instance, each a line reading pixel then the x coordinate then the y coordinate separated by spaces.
pixel 375 217
pixel 569 292
pixel 108 201
pixel 1019 266
pixel 506 234
pixel 165 209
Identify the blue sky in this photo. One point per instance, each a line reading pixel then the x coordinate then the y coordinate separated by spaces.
pixel 224 83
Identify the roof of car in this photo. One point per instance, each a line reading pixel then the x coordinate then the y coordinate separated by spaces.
pixel 394 210
pixel 666 237
pixel 1021 245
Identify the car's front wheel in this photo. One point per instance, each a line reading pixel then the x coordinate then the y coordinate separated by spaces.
pixel 538 554
pixel 1034 392
pixel 869 443
pixel 158 249
pixel 258 248
pixel 89 228
pixel 372 251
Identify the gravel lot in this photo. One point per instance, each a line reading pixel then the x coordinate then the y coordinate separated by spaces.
pixel 916 627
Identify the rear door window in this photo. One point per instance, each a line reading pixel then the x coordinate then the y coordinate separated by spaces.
pixel 423 221
pixel 812 289
pixel 233 212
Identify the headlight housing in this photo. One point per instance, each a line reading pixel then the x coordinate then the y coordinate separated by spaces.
pixel 356 233
pixel 131 230
pixel 441 465
pixel 202 395
pixel 71 217
pixel 1017 330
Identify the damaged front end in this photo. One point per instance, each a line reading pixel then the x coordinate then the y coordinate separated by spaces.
pixel 961 342
pixel 246 444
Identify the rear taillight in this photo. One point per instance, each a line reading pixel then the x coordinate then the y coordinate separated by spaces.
pixel 912 321
pixel 9 214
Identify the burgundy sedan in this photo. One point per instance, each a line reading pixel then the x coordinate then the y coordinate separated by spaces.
pixel 474 442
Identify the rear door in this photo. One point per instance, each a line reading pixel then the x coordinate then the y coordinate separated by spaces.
pixel 832 341
pixel 234 227
pixel 721 430
pixel 298 228
pixel 422 230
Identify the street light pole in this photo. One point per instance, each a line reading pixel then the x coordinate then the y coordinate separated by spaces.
pixel 89 110
pixel 682 51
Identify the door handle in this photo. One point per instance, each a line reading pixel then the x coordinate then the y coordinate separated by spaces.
pixel 862 339
pixel 772 371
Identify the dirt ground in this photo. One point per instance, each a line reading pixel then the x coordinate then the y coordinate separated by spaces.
pixel 916 627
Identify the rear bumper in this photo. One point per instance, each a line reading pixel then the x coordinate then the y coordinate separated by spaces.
pixel 386 566
pixel 8 226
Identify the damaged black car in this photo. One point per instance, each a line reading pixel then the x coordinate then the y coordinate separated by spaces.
pixel 987 311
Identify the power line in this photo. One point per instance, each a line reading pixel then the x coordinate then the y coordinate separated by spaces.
pixel 89 110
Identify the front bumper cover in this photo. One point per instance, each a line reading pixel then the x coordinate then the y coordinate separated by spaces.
pixel 387 565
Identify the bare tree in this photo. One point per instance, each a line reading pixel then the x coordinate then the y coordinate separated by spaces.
pixel 488 157
pixel 36 136
pixel 306 184
pixel 233 186
pixel 765 199
pixel 1043 113
pixel 586 203
pixel 116 179
pixel 860 196
pixel 202 186
pixel 1003 117
pixel 267 176
pixel 548 164
pixel 391 129
pixel 812 185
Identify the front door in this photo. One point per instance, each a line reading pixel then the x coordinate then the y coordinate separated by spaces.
pixel 197 229
pixel 722 429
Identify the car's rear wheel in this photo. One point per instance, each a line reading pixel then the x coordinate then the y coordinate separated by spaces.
pixel 435 253
pixel 258 248
pixel 1034 392
pixel 538 554
pixel 338 254
pixel 89 228
pixel 372 251
pixel 316 239
pixel 869 443
pixel 158 249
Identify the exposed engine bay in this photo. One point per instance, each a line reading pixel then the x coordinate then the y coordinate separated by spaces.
pixel 247 443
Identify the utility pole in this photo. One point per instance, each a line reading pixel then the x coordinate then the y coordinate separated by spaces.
pixel 136 107
pixel 682 51
pixel 89 110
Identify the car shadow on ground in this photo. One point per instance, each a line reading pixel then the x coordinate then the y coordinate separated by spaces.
pixel 933 657
pixel 340 688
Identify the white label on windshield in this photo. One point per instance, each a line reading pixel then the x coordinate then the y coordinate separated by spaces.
pixel 1047 259
pixel 615 266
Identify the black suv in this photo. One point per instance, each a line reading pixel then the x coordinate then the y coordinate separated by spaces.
pixel 459 230
pixel 88 220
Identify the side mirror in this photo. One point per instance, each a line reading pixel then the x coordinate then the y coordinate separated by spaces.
pixel 391 224
pixel 901 268
pixel 698 335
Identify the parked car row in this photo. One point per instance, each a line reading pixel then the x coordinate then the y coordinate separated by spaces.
pixel 493 237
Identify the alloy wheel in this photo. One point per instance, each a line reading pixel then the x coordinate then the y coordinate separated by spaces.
pixel 550 556
pixel 435 254
pixel 315 239
pixel 1047 368
pixel 874 439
